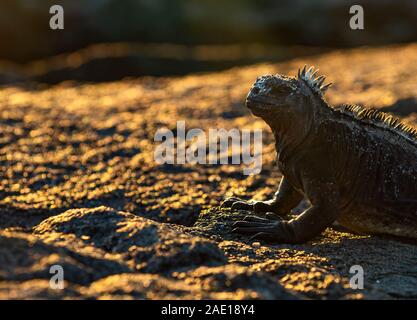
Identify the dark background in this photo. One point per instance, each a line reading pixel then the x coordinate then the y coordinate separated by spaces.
pixel 202 34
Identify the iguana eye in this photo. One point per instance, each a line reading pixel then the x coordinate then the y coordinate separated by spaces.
pixel 281 90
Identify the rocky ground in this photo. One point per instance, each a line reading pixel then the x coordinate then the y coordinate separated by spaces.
pixel 80 188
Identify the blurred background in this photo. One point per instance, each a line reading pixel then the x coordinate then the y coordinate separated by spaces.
pixel 107 40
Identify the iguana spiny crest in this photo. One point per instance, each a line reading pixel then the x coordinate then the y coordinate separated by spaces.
pixel 312 80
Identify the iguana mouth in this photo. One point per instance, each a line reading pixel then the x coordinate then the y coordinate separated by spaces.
pixel 258 103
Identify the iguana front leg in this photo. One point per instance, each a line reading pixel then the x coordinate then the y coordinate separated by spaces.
pixel 324 210
pixel 285 199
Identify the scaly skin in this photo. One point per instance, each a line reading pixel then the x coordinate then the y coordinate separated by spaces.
pixel 356 166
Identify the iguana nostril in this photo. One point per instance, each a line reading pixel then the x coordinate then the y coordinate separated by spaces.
pixel 255 90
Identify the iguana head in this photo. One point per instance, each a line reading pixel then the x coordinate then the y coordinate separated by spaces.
pixel 273 96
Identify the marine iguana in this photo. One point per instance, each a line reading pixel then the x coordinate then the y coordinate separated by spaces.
pixel 355 165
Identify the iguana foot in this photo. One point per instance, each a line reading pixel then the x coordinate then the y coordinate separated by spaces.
pixel 251 205
pixel 273 230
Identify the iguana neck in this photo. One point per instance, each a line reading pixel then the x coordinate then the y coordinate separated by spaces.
pixel 292 131
pixel 288 140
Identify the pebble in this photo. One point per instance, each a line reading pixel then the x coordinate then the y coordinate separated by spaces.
pixel 256 244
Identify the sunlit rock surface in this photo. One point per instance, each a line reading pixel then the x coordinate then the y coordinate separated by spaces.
pixel 80 188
